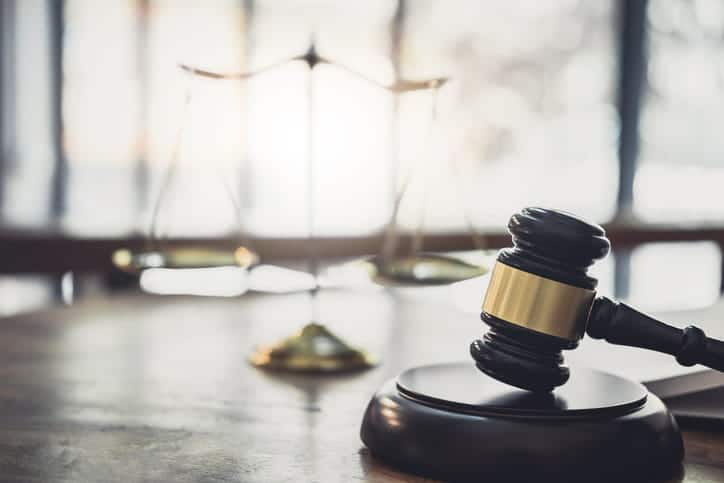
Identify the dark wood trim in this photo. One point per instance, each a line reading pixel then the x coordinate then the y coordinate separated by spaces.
pixel 47 253
pixel 7 92
pixel 59 180
pixel 721 271
pixel 141 175
pixel 622 272
pixel 632 73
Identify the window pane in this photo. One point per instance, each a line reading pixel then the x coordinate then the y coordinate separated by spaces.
pixel 680 171
pixel 529 117
pixel 667 276
pixel 28 171
pixel 101 115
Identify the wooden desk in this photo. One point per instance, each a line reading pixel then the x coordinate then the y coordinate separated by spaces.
pixel 158 389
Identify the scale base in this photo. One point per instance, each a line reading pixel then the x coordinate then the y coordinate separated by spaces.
pixel 450 421
pixel 314 349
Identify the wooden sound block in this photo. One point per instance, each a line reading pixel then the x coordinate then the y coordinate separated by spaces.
pixel 450 421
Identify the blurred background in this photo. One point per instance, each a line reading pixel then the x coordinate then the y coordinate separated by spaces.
pixel 608 109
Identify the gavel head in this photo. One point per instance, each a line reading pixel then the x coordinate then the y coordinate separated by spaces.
pixel 539 298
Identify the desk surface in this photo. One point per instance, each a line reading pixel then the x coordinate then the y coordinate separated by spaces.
pixel 158 389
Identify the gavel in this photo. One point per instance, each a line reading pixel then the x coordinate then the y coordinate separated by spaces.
pixel 541 301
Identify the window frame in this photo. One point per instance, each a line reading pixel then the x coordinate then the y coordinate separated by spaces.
pixel 33 252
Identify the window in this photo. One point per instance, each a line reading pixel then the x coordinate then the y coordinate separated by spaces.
pixel 536 104
pixel 680 170
pixel 26 99
pixel 545 106
pixel 530 114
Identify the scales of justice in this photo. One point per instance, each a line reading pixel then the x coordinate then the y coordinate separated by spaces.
pixel 314 348
pixel 515 412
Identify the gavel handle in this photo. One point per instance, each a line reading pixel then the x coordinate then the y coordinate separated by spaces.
pixel 618 323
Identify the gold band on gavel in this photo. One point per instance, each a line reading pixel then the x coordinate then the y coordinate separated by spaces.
pixel 538 303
